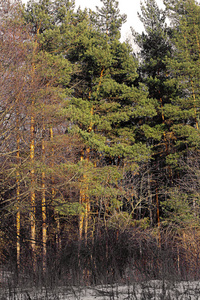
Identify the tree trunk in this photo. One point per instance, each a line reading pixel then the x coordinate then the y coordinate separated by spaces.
pixel 53 192
pixel 44 213
pixel 32 195
pixel 158 217
pixel 18 216
pixel 81 201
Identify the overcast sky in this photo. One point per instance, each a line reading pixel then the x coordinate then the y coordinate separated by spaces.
pixel 129 7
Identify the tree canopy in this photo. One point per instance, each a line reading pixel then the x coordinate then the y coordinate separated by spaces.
pixel 99 145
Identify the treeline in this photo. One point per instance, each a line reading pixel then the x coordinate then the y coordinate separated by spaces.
pixel 99 147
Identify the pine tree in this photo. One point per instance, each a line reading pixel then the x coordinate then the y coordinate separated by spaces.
pixel 155 46
pixel 14 69
pixel 108 19
pixel 183 68
pixel 110 109
pixel 106 108
pixel 183 111
pixel 33 91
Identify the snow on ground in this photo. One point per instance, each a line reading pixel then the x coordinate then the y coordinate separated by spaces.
pixel 155 290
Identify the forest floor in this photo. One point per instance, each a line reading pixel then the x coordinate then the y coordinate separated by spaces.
pixel 155 290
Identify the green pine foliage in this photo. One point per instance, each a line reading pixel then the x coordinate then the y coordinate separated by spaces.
pixel 107 19
pixel 184 70
pixel 115 134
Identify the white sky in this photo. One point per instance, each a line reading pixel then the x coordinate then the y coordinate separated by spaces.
pixel 129 7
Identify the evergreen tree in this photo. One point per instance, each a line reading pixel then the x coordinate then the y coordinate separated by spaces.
pixel 89 147
pixel 108 19
pixel 33 93
pixel 155 46
pixel 183 110
pixel 184 71
pixel 108 114
pixel 106 108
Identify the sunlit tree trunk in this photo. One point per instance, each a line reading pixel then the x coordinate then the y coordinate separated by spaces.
pixel 84 197
pixel 18 216
pixel 44 213
pixel 32 162
pixel 158 217
pixel 87 200
pixel 81 201
pixel 32 194
pixel 53 192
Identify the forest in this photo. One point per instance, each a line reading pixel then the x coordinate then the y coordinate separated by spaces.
pixel 99 144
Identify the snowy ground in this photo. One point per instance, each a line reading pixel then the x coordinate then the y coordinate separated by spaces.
pixel 148 290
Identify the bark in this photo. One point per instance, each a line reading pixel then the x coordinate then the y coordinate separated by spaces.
pixel 18 216
pixel 32 195
pixel 81 201
pixel 44 213
pixel 53 193
pixel 158 217
pixel 84 198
